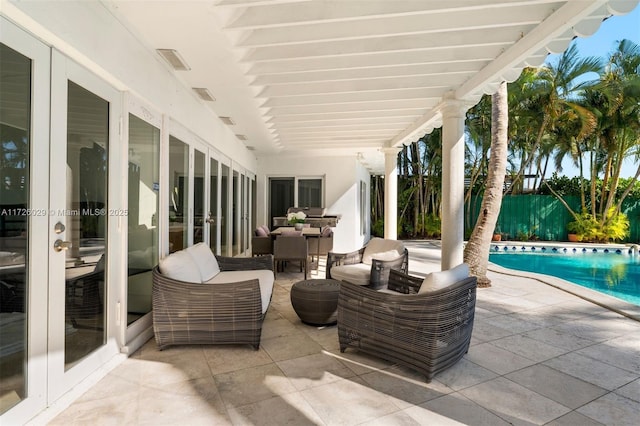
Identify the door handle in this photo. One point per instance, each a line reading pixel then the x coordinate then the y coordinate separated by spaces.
pixel 60 245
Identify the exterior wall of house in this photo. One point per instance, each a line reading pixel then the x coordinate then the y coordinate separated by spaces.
pixel 342 176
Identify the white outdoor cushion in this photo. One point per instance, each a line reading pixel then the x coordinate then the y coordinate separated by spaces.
pixel 438 280
pixel 358 273
pixel 381 245
pixel 264 276
pixel 206 261
pixel 180 266
pixel 387 255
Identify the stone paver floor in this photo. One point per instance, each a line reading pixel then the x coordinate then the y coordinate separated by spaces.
pixel 538 356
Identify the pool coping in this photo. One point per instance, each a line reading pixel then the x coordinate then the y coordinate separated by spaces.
pixel 614 304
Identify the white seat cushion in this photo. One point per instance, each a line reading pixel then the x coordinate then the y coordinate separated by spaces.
pixel 381 245
pixel 438 280
pixel 206 261
pixel 359 273
pixel 264 276
pixel 180 266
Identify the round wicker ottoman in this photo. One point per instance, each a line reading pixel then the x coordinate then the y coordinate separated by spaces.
pixel 316 301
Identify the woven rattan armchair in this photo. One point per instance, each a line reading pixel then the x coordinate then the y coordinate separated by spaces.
pixel 378 274
pixel 426 332
pixel 197 313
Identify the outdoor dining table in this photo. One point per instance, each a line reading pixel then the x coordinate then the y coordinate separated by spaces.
pixel 306 232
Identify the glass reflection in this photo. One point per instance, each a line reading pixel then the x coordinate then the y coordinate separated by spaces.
pixel 178 190
pixel 144 164
pixel 15 139
pixel 86 222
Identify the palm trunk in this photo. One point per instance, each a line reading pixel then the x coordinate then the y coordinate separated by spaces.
pixel 476 252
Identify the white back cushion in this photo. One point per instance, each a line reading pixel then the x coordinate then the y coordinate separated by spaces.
pixel 180 266
pixel 206 261
pixel 381 245
pixel 437 280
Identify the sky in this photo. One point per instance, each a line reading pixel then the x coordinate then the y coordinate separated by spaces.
pixel 600 44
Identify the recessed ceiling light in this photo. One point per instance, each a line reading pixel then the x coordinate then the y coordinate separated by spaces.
pixel 228 120
pixel 204 94
pixel 241 137
pixel 174 59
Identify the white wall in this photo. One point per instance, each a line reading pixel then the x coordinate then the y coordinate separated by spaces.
pixel 342 176
pixel 90 34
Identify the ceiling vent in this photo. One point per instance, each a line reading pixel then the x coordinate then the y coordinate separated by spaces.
pixel 204 94
pixel 251 148
pixel 174 59
pixel 228 120
pixel 241 137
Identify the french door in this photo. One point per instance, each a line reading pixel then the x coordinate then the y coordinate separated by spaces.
pixel 60 224
pixel 85 220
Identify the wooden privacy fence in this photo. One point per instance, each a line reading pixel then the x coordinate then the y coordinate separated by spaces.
pixel 543 217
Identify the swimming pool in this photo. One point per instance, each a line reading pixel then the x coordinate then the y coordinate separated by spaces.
pixel 615 272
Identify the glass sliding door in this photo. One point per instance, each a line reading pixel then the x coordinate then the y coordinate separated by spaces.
pixel 235 213
pixel 282 192
pixel 198 197
pixel 143 166
pixel 213 219
pixel 15 153
pixel 178 194
pixel 225 216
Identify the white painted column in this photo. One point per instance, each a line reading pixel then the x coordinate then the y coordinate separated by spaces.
pixel 453 116
pixel 391 192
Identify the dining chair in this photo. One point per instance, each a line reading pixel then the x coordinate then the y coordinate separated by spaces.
pixel 290 248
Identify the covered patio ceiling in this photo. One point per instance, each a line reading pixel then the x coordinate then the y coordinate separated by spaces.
pixel 350 77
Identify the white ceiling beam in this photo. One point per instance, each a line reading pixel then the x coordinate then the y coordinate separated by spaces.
pixel 399 25
pixel 342 98
pixel 388 83
pixel 368 107
pixel 389 122
pixel 346 115
pixel 447 40
pixel 448 56
pixel 463 69
pixel 341 10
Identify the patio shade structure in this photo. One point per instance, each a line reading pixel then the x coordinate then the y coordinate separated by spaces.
pixel 361 77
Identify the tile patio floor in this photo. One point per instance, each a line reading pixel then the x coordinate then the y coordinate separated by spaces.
pixel 538 356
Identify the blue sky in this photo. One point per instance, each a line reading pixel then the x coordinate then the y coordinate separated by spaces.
pixel 600 44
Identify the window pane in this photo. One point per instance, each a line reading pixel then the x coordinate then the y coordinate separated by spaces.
pixel 144 163
pixel 213 207
pixel 15 139
pixel 224 208
pixel 178 190
pixel 86 222
pixel 309 193
pixel 198 197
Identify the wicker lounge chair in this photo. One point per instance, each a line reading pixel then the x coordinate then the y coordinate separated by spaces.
pixel 370 265
pixel 426 332
pixel 202 313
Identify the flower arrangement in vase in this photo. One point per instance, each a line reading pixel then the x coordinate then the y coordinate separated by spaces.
pixel 296 219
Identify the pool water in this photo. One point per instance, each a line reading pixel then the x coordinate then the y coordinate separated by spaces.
pixel 617 275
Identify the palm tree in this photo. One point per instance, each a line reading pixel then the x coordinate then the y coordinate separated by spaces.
pixel 476 252
pixel 548 100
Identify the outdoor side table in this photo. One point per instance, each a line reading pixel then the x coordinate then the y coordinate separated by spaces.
pixel 316 301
